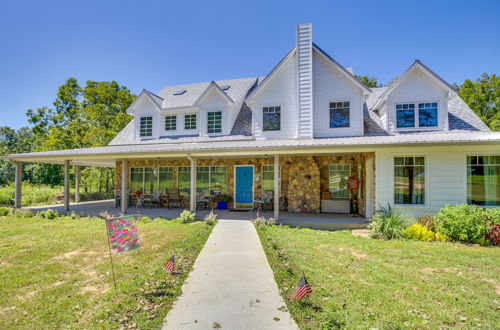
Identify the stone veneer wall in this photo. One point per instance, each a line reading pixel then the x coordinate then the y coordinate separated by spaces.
pixel 303 178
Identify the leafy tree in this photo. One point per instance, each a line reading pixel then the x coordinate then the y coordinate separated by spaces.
pixel 483 96
pixel 371 82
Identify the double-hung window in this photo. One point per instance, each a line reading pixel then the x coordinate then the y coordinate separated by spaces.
pixel 271 118
pixel 411 115
pixel 170 123
pixel 149 180
pixel 337 180
pixel 214 123
pixel 190 121
pixel 267 177
pixel 409 180
pixel 483 180
pixel 339 114
pixel 146 128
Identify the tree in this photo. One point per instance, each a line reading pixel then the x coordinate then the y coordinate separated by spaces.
pixel 483 96
pixel 371 82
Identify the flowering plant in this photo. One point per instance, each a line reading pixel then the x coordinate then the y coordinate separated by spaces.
pixel 139 192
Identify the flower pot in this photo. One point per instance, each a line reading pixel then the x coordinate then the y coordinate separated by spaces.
pixel 221 205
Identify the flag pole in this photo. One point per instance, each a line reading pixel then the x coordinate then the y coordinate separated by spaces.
pixel 110 255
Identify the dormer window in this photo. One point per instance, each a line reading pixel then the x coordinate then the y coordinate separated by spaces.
pixel 214 123
pixel 339 114
pixel 170 123
pixel 146 128
pixel 412 115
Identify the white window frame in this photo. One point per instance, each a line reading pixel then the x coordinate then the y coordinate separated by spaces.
pixel 426 180
pixel 140 126
pixel 195 121
pixel 144 175
pixel 329 171
pixel 166 128
pixel 274 108
pixel 177 177
pixel 328 114
pixel 221 122
pixel 416 114
pixel 465 178
pixel 262 174
pixel 210 174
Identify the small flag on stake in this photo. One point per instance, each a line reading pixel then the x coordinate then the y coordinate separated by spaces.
pixel 170 265
pixel 303 289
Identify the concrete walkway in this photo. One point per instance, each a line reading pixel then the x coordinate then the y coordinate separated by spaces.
pixel 231 284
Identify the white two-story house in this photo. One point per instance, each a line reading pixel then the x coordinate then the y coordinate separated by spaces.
pixel 307 137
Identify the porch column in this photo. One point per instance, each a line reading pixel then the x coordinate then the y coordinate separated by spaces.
pixel 77 184
pixel 19 180
pixel 124 194
pixel 276 187
pixel 192 195
pixel 66 185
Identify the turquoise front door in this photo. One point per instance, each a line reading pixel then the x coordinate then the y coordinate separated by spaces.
pixel 244 186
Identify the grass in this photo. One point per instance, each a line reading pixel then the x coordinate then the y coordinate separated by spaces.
pixel 365 283
pixel 56 273
pixel 44 195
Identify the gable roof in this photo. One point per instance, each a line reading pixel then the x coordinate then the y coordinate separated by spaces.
pixel 272 73
pixel 417 65
pixel 347 73
pixel 215 87
pixel 238 89
pixel 157 100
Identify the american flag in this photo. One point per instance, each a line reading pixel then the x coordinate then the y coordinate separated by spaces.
pixel 170 265
pixel 303 289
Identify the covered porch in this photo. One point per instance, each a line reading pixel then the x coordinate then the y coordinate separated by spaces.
pixel 296 186
pixel 327 221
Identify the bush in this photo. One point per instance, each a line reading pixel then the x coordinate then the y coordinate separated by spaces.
pixel 144 219
pixel 23 213
pixel 466 223
pixel 187 217
pixel 262 221
pixel 427 221
pixel 387 223
pixel 420 232
pixel 211 219
pixel 48 214
pixel 4 211
pixel 494 235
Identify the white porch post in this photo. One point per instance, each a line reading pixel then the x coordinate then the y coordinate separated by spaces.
pixel 192 194
pixel 19 180
pixel 276 187
pixel 66 185
pixel 123 193
pixel 77 184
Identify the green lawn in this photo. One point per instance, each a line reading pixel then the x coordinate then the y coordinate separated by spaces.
pixel 56 273
pixel 365 283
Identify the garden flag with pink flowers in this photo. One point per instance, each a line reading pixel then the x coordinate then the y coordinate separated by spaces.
pixel 123 235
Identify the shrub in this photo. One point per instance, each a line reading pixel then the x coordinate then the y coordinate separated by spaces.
pixel 262 221
pixel 187 217
pixel 387 223
pixel 23 213
pixel 48 214
pixel 494 235
pixel 211 219
pixel 144 219
pixel 420 232
pixel 427 221
pixel 466 223
pixel 4 211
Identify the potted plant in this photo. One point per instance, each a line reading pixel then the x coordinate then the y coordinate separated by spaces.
pixel 222 200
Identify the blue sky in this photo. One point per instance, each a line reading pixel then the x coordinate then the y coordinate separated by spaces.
pixel 150 44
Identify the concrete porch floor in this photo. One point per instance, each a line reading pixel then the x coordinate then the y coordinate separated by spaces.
pixel 327 221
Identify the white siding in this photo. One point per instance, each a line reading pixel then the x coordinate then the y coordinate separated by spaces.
pixel 279 91
pixel 330 86
pixel 144 107
pixel 445 175
pixel 213 101
pixel 417 88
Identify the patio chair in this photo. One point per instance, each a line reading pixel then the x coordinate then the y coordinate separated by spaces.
pixel 174 198
pixel 153 199
pixel 266 199
pixel 202 200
